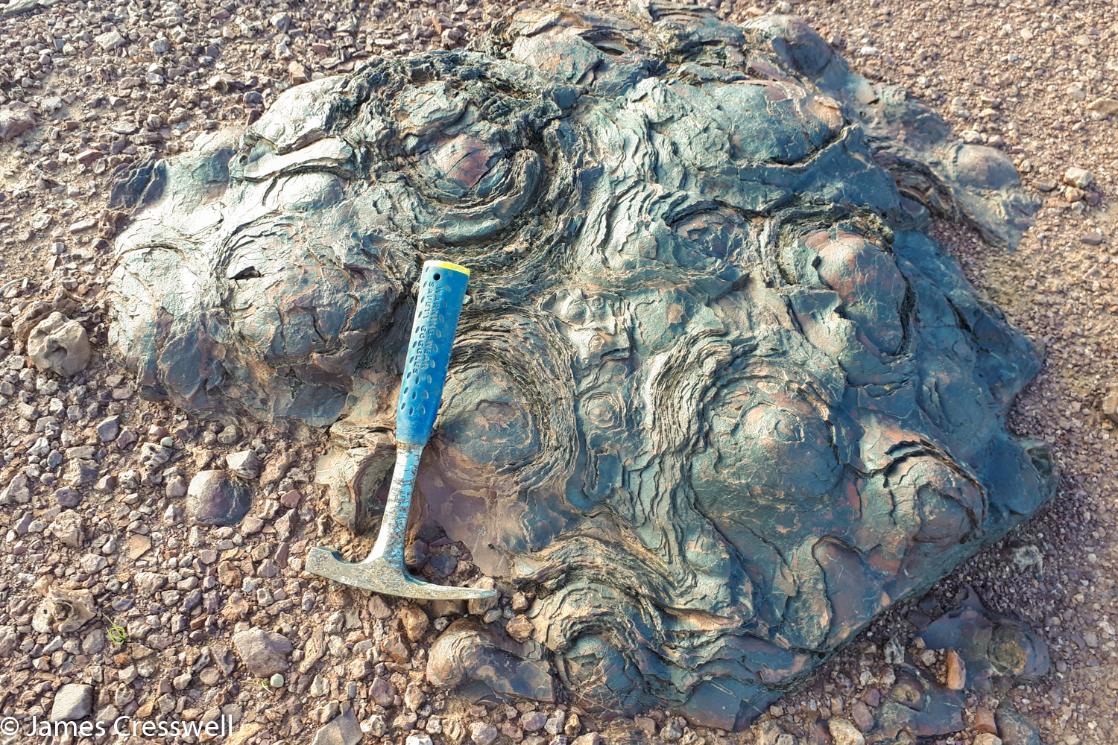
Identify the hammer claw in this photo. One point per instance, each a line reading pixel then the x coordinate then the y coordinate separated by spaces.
pixel 383 576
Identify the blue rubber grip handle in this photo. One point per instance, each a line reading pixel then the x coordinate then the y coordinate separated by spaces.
pixel 442 289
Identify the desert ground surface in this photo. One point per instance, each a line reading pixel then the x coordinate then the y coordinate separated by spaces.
pixel 93 477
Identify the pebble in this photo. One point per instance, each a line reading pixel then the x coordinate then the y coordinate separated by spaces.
pixel 554 723
pixel 67 528
pixel 480 606
pixel 533 721
pixel 983 721
pixel 92 563
pixel 213 498
pixel 244 464
pixel 177 486
pixel 1104 106
pixel 136 546
pixel 414 621
pixel 15 119
pixel 73 702
pixel 263 652
pixel 17 491
pixel 59 344
pixel 298 73
pixel 769 733
pixel 382 691
pixel 291 498
pixel 82 226
pixel 1110 404
pixel 985 738
pixel 843 732
pixel 519 628
pixel 1028 558
pixel 126 438
pixel 484 733
pixel 80 472
pixel 863 717
pixel 341 730
pixel 956 671
pixel 1080 178
pixel 67 497
pixel 414 696
pixel 1014 728
pixel 672 730
pixel 375 725
pixel 109 40
pixel 229 435
pixel 149 583
pixel 443 564
pixel 108 428
pixel 590 738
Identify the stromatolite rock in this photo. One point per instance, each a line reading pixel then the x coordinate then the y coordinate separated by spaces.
pixel 917 708
pixel 991 644
pixel 467 658
pixel 717 399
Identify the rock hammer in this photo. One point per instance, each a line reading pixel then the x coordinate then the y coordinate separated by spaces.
pixel 442 290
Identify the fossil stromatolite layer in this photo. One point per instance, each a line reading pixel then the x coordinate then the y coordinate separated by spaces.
pixel 718 399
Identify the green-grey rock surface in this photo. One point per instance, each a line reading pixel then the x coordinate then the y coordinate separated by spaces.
pixel 717 399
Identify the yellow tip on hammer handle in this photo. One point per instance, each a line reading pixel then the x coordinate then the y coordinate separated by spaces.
pixel 450 265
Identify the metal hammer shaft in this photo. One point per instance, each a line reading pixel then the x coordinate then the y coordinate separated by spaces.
pixel 394 522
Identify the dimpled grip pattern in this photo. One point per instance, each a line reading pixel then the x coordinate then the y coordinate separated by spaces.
pixel 442 289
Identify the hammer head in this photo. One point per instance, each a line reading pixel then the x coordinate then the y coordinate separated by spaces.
pixel 386 576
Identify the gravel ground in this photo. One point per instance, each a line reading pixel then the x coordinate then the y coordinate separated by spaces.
pixel 192 624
